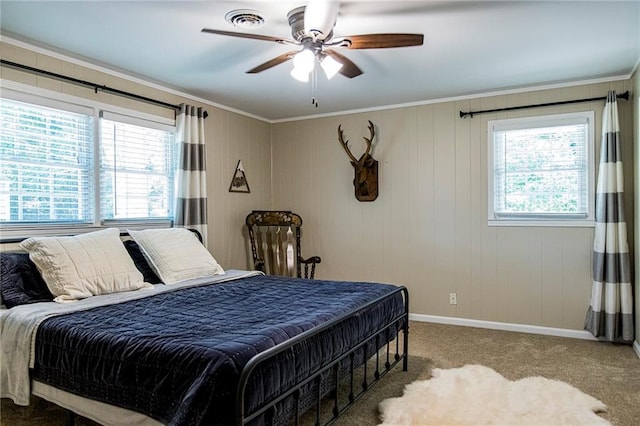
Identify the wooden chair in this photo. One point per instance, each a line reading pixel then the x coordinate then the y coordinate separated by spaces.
pixel 275 244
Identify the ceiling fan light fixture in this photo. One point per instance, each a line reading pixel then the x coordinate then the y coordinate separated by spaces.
pixel 300 75
pixel 330 66
pixel 304 61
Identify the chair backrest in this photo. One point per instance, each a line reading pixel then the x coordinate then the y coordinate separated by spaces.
pixel 275 242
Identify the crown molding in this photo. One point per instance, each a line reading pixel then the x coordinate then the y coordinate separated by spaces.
pixel 465 97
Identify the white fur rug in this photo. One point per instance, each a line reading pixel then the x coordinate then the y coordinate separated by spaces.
pixel 477 395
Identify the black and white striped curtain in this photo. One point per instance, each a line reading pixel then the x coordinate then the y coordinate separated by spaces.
pixel 191 175
pixel 610 314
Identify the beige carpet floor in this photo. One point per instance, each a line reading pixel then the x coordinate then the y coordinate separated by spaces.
pixel 610 373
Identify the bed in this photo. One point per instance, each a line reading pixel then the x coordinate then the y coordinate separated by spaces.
pixel 232 347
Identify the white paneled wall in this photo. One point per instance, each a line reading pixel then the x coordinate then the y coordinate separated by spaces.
pixel 428 228
pixel 235 137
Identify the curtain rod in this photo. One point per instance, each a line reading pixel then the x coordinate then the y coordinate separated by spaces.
pixel 624 96
pixel 94 86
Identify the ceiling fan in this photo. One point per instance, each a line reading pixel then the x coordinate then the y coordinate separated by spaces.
pixel 312 28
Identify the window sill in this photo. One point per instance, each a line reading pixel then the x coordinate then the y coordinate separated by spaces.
pixel 566 223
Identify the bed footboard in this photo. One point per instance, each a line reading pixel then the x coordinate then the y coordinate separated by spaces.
pixel 375 352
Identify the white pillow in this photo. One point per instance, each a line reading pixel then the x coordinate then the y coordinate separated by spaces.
pixel 84 265
pixel 176 254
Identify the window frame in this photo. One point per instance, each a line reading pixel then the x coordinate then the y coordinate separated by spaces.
pixel 49 111
pixel 540 220
pixel 109 115
pixel 48 98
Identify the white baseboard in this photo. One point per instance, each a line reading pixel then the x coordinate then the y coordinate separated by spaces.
pixel 636 347
pixel 521 328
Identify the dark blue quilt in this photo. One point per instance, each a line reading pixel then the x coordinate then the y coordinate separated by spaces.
pixel 177 356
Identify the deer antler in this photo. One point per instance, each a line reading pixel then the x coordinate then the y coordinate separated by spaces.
pixel 370 140
pixel 345 144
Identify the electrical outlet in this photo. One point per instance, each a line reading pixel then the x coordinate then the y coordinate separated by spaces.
pixel 453 299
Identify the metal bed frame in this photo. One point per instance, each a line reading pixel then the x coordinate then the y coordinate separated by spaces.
pixel 383 365
pixel 399 323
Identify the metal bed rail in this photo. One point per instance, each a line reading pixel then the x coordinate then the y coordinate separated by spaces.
pixel 397 324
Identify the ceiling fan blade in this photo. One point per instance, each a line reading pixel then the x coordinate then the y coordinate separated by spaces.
pixel 250 36
pixel 320 17
pixel 349 69
pixel 273 62
pixel 382 41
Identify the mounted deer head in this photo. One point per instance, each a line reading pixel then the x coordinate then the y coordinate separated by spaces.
pixel 365 180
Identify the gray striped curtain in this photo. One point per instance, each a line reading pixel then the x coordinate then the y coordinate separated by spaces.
pixel 610 314
pixel 191 176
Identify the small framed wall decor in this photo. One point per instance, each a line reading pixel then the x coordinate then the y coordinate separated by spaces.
pixel 239 180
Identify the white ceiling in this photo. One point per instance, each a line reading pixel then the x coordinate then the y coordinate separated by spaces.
pixel 470 47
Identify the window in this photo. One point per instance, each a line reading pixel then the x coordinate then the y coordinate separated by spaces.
pixel 136 168
pixel 541 170
pixel 66 164
pixel 46 164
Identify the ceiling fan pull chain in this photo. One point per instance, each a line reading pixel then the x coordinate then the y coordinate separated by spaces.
pixel 314 86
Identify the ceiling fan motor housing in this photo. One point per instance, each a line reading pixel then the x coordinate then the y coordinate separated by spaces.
pixel 296 22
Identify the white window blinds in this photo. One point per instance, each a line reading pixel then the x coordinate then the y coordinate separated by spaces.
pixel 542 167
pixel 46 163
pixel 136 168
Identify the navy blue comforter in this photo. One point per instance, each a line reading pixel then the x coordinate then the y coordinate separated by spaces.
pixel 177 356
